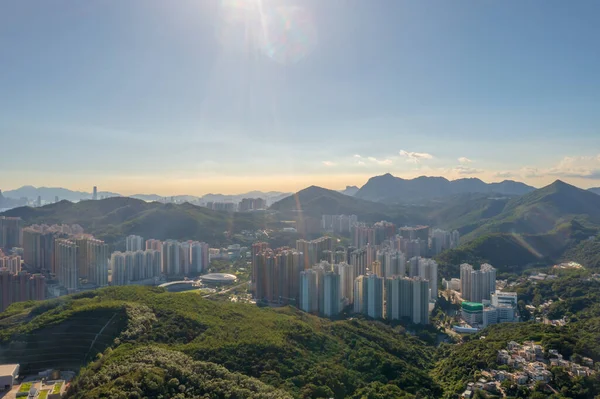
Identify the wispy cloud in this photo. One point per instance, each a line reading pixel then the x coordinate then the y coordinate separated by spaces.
pixel 329 163
pixel 385 161
pixel 361 163
pixel 504 175
pixel 464 160
pixel 583 167
pixel 415 157
pixel 466 170
pixel 357 156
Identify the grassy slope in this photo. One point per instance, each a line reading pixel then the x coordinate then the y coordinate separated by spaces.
pixel 543 211
pixel 316 201
pixel 284 348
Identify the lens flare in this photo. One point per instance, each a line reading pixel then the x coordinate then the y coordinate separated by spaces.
pixel 289 34
pixel 285 34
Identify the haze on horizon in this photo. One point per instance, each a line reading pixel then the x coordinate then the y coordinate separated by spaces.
pixel 231 96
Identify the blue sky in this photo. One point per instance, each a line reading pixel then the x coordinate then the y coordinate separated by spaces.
pixel 227 96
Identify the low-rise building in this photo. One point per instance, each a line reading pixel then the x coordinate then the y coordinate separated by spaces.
pixel 8 375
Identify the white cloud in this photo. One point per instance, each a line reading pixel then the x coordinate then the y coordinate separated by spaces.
pixel 504 175
pixel 415 157
pixel 583 167
pixel 386 161
pixel 466 170
pixel 357 156
pixel 329 163
pixel 361 163
pixel 464 160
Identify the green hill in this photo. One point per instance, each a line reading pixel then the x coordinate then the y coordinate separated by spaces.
pixel 544 210
pixel 158 343
pixel 512 253
pixel 316 201
pixel 112 219
pixel 465 212
pixel 535 228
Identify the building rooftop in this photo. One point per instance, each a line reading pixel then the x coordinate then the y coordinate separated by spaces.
pixel 6 369
pixel 472 306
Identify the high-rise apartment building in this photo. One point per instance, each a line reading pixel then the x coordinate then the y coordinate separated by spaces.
pixel 97 262
pixel 407 298
pixel 185 258
pixel 38 248
pixel 278 275
pixel 82 255
pixel 338 223
pixel 11 232
pixel 132 267
pixel 171 258
pixel 12 263
pixel 332 300
pixel 314 250
pixel 199 257
pixel 95 193
pixel 362 235
pixel 19 287
pixel 67 272
pixel 398 294
pixel 119 269
pixel 420 297
pixel 359 260
pixel 368 295
pixel 358 294
pixel 428 270
pixel 134 243
pixel 393 263
pixel 256 249
pixel 156 245
pixel 309 295
pixel 347 276
pixel 376 268
pixel 454 239
pixel 413 233
pixel 477 285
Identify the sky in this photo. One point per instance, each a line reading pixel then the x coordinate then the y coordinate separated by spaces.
pixel 199 96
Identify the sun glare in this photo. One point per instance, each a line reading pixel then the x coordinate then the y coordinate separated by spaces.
pixel 286 34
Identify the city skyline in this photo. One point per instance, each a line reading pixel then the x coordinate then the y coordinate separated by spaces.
pixel 224 97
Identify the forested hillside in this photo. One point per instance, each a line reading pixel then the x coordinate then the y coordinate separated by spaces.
pixel 207 346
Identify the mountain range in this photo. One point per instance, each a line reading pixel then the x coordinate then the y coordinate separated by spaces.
pixel 385 188
pixel 391 189
pixel 112 219
pixel 49 194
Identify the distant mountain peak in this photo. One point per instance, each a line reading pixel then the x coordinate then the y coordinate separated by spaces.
pixel 387 188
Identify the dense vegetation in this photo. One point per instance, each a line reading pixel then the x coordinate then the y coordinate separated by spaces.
pixel 576 297
pixel 513 253
pixel 207 347
pixel 544 211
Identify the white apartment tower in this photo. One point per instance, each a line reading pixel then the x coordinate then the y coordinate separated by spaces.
pixel 134 243
pixel 346 273
pixel 309 295
pixel 97 262
pixel 66 263
pixel 331 294
pixel 428 270
pixel 477 285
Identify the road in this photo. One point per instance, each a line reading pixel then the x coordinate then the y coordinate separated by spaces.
pixel 227 290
